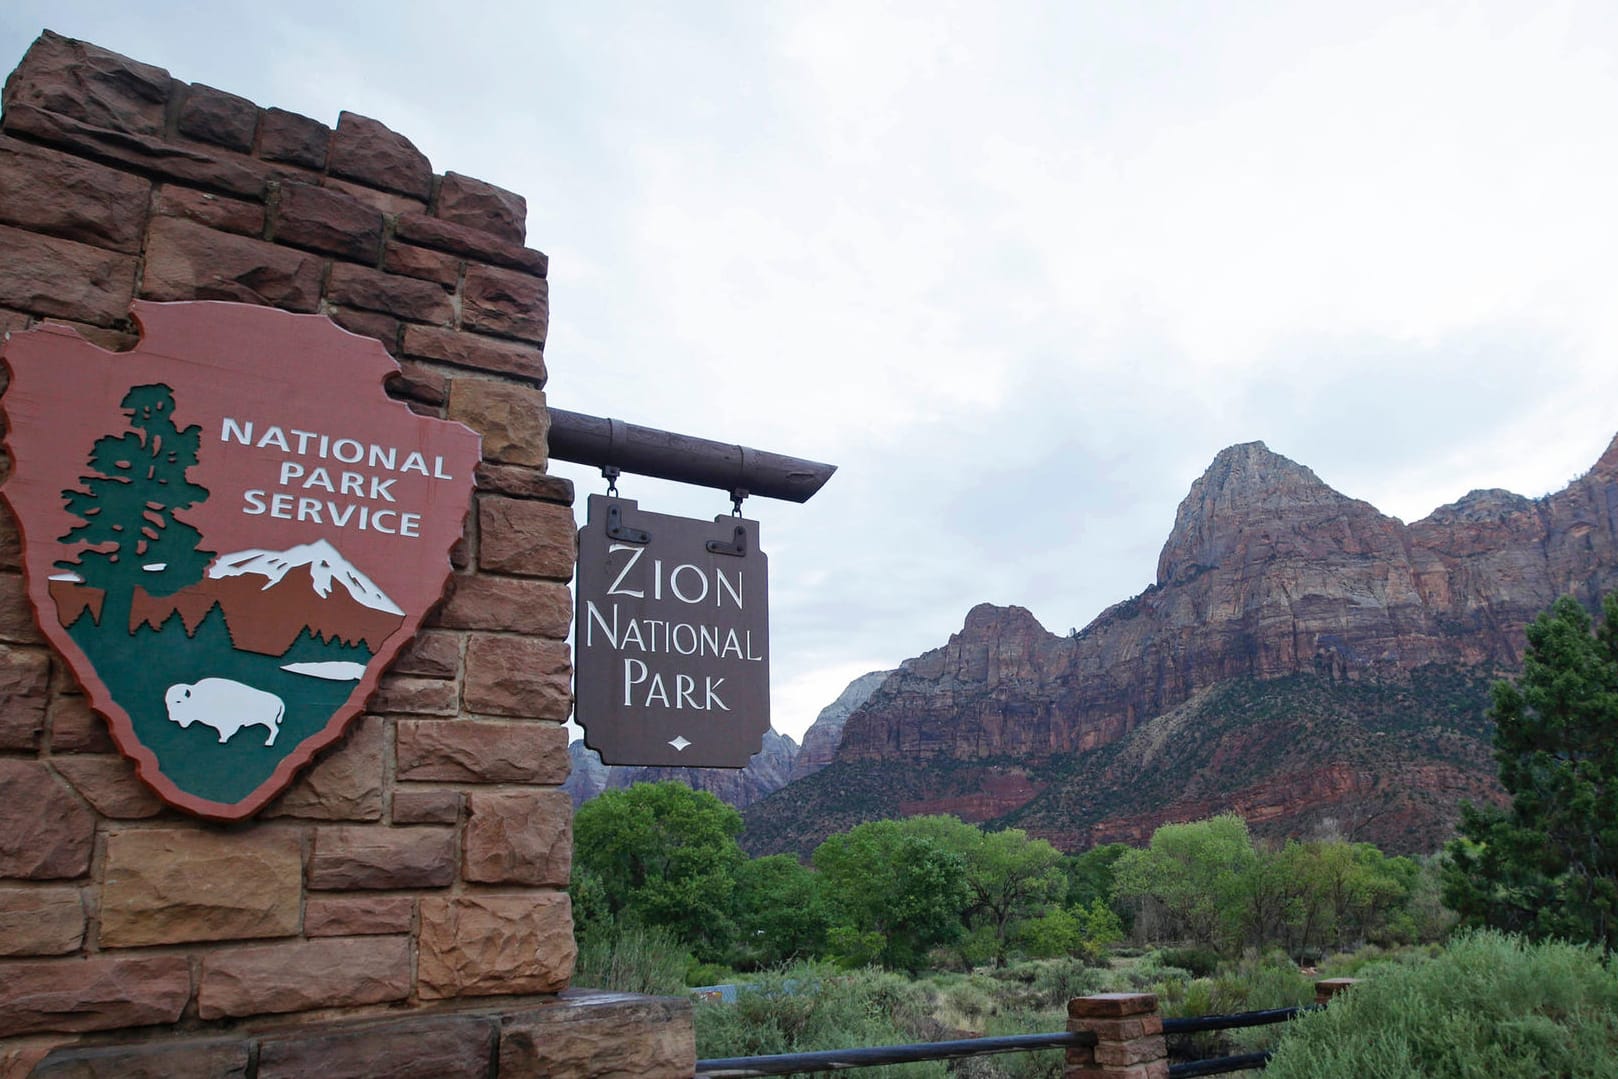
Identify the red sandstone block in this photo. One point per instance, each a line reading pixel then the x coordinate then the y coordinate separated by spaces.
pixel 45 275
pixel 519 837
pixel 110 338
pixel 472 243
pixel 41 921
pixel 334 972
pixel 185 261
pixel 47 191
pixel 109 784
pixel 509 604
pixel 329 221
pixel 461 200
pixel 419 382
pixel 297 140
pixel 88 83
pixel 214 211
pixel 422 262
pixel 92 994
pixel 479 751
pixel 183 883
pixel 193 164
pixel 217 117
pixel 210 1058
pixel 426 805
pixel 405 297
pixel 1111 1005
pixel 1123 1030
pixel 367 151
pixel 346 783
pixel 475 351
pixel 24 683
pixel 505 302
pixel 386 202
pixel 46 833
pixel 481 945
pixel 590 1032
pixel 529 539
pixel 1135 1051
pixel 379 858
pixel 528 483
pixel 518 676
pixel 358 916
pixel 416 696
pixel 446 1047
pixel 431 655
pixel 511 418
pixel 12 321
pixel 385 328
pixel 76 729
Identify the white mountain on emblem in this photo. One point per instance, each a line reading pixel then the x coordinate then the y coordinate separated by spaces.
pixel 324 563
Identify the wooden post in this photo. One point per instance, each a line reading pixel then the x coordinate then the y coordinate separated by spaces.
pixel 1129 1037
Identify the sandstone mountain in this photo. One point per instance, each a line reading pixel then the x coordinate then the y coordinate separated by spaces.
pixel 1300 657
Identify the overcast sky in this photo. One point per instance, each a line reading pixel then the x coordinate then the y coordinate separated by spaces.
pixel 1020 270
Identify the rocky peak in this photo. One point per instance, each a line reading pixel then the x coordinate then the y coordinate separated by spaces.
pixel 1607 465
pixel 820 741
pixel 1249 499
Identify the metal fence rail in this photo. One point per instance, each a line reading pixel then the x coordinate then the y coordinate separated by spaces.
pixel 844 1059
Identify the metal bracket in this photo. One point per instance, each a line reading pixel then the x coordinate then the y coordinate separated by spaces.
pixel 616 529
pixel 737 547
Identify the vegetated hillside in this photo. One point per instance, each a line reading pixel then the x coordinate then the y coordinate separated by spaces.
pixel 1290 632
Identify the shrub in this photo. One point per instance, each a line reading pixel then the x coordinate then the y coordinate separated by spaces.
pixel 807 1007
pixel 633 959
pixel 1490 1005
pixel 1201 962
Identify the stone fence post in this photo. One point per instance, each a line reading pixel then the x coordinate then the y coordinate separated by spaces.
pixel 1129 1037
pixel 1327 988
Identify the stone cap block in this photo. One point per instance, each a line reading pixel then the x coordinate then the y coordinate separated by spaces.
pixel 89 83
pixel 1111 1005
pixel 366 150
pixel 464 201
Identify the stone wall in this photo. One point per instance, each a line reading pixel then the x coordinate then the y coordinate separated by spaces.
pixel 424 859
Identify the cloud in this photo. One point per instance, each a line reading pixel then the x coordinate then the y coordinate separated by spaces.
pixel 1021 270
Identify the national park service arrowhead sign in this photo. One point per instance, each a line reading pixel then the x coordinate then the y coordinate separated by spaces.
pixel 228 534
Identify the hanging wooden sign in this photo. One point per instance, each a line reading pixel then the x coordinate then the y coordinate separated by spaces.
pixel 228 534
pixel 671 638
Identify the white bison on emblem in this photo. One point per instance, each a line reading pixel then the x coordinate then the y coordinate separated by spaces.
pixel 226 706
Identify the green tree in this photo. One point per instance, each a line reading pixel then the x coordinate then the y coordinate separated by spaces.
pixel 1188 883
pixel 892 894
pixel 1548 865
pixel 779 911
pixel 1011 877
pixel 662 854
pixel 126 509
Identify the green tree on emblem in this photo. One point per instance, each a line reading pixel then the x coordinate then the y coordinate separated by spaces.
pixel 127 508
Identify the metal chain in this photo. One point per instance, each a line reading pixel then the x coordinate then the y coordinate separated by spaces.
pixel 610 473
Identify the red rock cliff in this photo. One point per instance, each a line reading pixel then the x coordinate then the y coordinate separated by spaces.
pixel 1268 572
